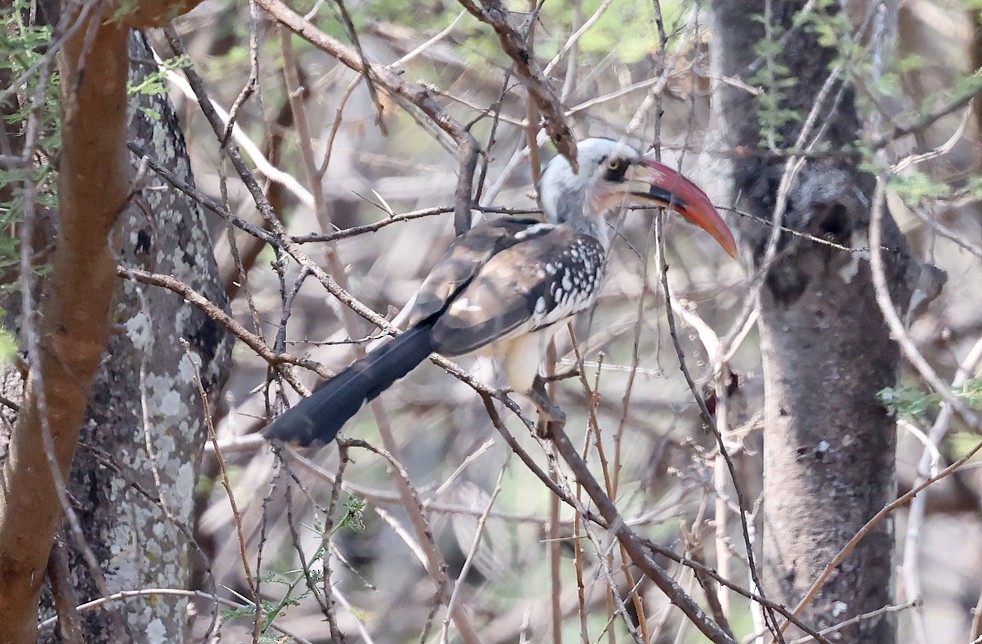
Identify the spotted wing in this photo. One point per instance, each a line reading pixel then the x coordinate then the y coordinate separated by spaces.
pixel 465 257
pixel 527 286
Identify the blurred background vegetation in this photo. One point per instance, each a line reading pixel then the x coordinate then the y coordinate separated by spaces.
pixel 619 74
pixel 636 67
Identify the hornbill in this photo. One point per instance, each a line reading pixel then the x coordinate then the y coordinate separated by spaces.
pixel 506 283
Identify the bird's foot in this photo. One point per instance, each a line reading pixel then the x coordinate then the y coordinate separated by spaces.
pixel 549 420
pixel 550 414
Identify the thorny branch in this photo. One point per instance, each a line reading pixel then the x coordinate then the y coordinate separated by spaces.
pixel 389 81
pixel 538 87
pixel 632 543
pixel 420 98
pixel 215 312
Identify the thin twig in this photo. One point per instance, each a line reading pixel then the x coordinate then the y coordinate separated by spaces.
pixel 392 84
pixel 213 311
pixel 226 483
pixel 169 592
pixel 633 544
pixel 494 14
pixel 711 424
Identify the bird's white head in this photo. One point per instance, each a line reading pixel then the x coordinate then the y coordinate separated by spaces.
pixel 613 175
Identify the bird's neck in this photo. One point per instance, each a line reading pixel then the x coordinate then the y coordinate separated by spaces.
pixel 595 227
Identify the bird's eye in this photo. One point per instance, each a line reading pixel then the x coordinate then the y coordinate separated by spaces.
pixel 615 164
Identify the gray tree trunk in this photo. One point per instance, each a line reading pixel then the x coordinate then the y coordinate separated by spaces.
pixel 829 445
pixel 136 469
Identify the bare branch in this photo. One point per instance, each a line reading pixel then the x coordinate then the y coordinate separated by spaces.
pixel 389 81
pixel 537 85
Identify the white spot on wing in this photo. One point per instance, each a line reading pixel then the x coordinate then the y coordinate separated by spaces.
pixel 464 304
pixel 532 231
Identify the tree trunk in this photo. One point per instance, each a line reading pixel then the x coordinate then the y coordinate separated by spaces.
pixel 146 393
pixel 69 332
pixel 132 483
pixel 829 443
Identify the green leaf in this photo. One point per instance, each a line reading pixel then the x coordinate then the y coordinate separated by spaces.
pixel 8 346
pixel 353 516
pixel 911 62
pixel 905 401
pixel 22 60
pixel 918 187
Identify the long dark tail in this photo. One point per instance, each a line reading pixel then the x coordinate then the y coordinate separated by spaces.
pixel 320 416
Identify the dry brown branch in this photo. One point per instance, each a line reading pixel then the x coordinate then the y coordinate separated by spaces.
pixel 243 549
pixel 632 543
pixel 590 394
pixel 125 595
pixel 658 438
pixel 390 82
pixel 65 598
pixel 433 559
pixel 527 68
pixel 710 573
pixel 261 201
pixel 436 568
pixel 244 259
pixel 710 422
pixel 253 341
pixel 201 198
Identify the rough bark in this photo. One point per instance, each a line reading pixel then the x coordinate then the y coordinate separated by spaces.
pixel 147 392
pixel 829 444
pixel 135 504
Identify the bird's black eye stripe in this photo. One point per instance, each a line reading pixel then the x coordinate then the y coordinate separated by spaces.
pixel 615 169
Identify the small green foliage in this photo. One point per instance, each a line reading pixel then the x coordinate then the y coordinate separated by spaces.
pixel 271 610
pixel 961 443
pixel 292 596
pixel 353 516
pixel 32 97
pixel 890 85
pixel 971 392
pixel 626 30
pixel 772 112
pixel 8 346
pixel 905 401
pixel 123 9
pixel 918 187
pixel 910 63
pixel 297 583
pixel 967 85
pixel 887 85
pixel 776 82
pixel 155 84
pixel 205 485
pixel 973 187
pixel 825 30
